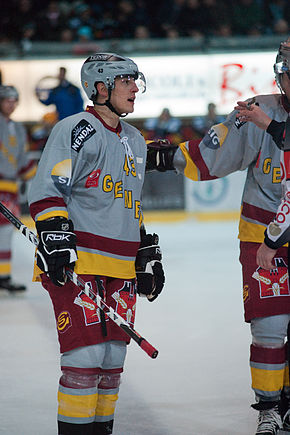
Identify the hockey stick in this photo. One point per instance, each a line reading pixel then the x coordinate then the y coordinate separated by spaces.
pixel 78 281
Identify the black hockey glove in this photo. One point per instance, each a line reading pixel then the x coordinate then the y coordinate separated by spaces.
pixel 56 249
pixel 149 270
pixel 160 155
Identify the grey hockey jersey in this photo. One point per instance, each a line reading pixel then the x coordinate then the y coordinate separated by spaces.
pixel 93 174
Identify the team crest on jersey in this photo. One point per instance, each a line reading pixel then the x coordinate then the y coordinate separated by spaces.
pixel 90 309
pixel 274 282
pixel 80 134
pixel 64 322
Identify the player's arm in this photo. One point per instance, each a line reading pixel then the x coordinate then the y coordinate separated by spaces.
pixel 48 195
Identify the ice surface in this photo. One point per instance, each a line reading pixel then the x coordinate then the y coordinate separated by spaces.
pixel 200 382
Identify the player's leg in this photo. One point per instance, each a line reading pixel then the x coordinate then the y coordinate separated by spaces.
pixel 108 387
pixel 88 392
pixel 78 393
pixel 6 233
pixel 268 363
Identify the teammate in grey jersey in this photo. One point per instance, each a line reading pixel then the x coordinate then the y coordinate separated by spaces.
pixel 86 202
pixel 15 166
pixel 230 146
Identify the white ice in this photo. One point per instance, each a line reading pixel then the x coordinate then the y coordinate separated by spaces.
pixel 200 382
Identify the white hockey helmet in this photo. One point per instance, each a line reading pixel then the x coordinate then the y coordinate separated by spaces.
pixel 282 64
pixel 105 67
pixel 8 92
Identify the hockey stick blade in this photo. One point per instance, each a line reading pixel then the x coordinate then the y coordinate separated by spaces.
pixel 79 282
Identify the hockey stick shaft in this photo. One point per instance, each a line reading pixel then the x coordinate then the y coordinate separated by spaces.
pixel 78 281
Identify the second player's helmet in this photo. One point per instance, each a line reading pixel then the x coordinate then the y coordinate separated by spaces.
pixel 105 67
pixel 8 92
pixel 282 64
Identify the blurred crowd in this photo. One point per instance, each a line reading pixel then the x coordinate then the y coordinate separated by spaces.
pixel 163 126
pixel 90 20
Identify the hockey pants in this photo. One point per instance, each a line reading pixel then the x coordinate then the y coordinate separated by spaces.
pixel 268 357
pixel 88 388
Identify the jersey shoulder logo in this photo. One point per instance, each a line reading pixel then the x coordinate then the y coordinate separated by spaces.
pixel 80 134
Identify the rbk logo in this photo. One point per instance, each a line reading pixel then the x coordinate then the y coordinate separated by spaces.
pixel 55 237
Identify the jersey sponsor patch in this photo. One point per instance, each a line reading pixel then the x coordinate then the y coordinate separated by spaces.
pixel 80 134
pixel 274 282
pixel 215 136
pixel 239 123
pixel 61 176
pixel 93 179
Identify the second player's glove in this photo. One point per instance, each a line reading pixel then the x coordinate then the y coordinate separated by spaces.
pixel 149 270
pixel 56 248
pixel 160 155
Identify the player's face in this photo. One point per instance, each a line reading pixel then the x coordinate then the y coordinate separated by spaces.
pixel 285 83
pixel 124 94
pixel 7 106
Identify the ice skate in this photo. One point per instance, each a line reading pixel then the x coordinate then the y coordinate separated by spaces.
pixel 269 422
pixel 7 284
pixel 286 422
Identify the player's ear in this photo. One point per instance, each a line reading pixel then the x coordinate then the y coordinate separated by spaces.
pixel 102 90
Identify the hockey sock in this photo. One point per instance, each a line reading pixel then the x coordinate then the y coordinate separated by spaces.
pixel 77 401
pixel 267 370
pixel 108 389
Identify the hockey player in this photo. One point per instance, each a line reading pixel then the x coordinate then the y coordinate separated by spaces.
pixel 85 200
pixel 277 232
pixel 235 145
pixel 14 166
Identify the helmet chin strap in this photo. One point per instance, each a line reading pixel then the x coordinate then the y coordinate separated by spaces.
pixel 110 105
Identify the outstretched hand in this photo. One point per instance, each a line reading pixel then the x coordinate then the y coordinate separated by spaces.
pixel 252 113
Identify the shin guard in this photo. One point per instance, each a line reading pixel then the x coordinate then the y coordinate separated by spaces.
pixel 77 401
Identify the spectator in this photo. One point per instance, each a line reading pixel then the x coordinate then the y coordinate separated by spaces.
pixel 85 34
pixel 66 97
pixel 247 17
pixel 214 13
pixel 202 124
pixel 274 12
pixel 141 32
pixel 14 166
pixel 50 22
pixel 163 125
pixel 281 27
pixel 66 35
pixel 126 17
pixel 190 20
pixel 166 16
